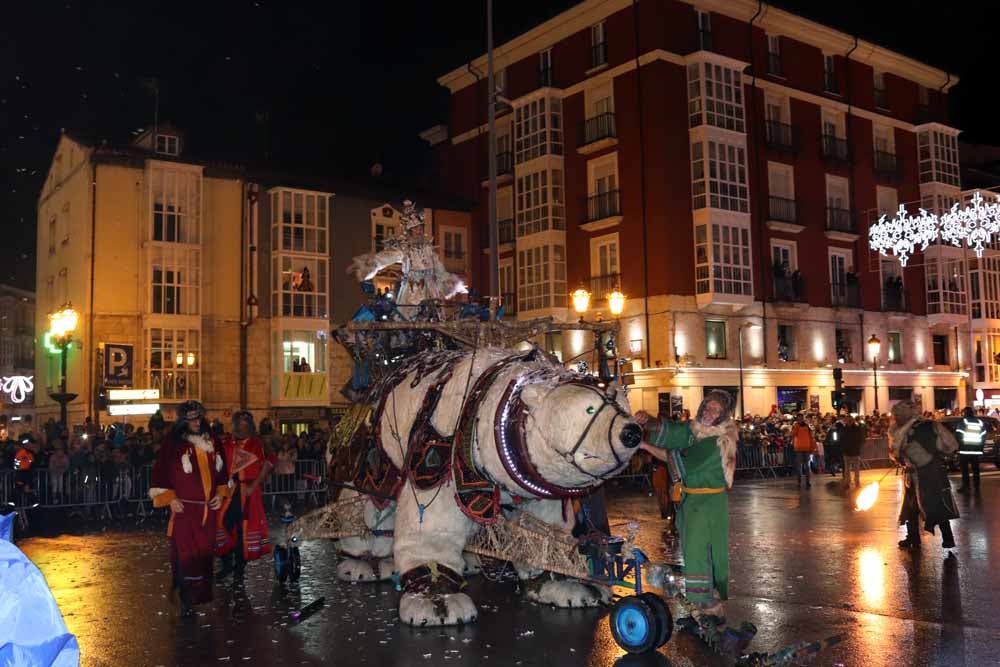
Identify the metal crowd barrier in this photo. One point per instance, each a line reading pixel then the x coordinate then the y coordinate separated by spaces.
pixel 875 450
pixel 308 481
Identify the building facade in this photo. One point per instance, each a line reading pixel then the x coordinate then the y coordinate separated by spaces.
pixel 719 162
pixel 17 354
pixel 225 283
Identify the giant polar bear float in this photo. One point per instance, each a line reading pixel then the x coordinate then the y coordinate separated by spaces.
pixel 459 438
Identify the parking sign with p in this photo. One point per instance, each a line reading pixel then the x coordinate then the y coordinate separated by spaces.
pixel 118 363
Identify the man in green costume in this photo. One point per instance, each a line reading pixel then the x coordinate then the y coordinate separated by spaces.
pixel 707 447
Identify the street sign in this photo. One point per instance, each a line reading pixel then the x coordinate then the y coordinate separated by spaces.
pixel 134 395
pixel 133 409
pixel 119 360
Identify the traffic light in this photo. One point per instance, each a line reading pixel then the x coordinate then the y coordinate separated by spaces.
pixel 837 395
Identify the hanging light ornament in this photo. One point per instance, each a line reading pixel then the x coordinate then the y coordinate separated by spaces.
pixel 976 224
pixel 900 235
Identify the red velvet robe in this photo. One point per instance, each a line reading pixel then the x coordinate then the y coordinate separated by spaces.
pixel 194 476
pixel 256 539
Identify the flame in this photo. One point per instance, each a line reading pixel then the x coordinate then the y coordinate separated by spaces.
pixel 867 497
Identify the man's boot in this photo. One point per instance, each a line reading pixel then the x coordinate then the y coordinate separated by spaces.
pixel 947 537
pixel 912 540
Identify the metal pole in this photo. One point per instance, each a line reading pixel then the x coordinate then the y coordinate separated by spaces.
pixel 492 124
pixel 62 384
pixel 743 409
pixel 875 376
pixel 970 386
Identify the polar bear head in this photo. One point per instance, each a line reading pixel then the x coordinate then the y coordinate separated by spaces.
pixel 570 435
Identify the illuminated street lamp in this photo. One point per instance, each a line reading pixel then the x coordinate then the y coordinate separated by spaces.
pixel 62 324
pixel 581 301
pixel 874 347
pixel 616 302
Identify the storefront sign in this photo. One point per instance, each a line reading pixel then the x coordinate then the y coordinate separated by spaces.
pixel 17 387
pixel 133 409
pixel 134 395
pixel 118 363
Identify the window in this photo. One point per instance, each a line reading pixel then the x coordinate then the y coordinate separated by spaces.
pixel 937 203
pixel 783 255
pixel 299 286
pixel 300 221
pixel 834 124
pixel 64 223
pixel 704 31
pixel 545 68
pixel 63 285
pixel 883 139
pixel 540 205
pixel 887 200
pixel 726 270
pixel 508 286
pixel 724 184
pixel 945 279
pixel 500 81
pixel 173 362
pixel 602 188
pixel 845 352
pixel 168 144
pixel 176 197
pixel 829 73
pixel 715 96
pixel 383 233
pixel 881 95
pixel 541 277
pixel 598 45
pixel 175 279
pixel 538 129
pixel 786 342
pixel 297 346
pixel 940 346
pixel 938 156
pixel 780 180
pixel 843 282
pixel 774 55
pixel 715 339
pixel 604 265
pixel 895 348
pixel 454 244
pixel 52 235
pixel 837 192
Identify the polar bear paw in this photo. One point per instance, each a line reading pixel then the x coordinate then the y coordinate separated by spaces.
pixel 472 565
pixel 354 569
pixel 436 609
pixel 568 593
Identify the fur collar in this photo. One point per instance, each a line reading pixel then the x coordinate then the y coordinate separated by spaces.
pixel 202 442
pixel 727 437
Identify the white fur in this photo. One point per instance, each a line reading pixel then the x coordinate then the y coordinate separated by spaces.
pixel 422 609
pixel 569 593
pixel 186 463
pixel 201 442
pixel 353 569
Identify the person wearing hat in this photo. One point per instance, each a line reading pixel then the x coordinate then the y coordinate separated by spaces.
pixel 242 534
pixel 708 452
pixel 189 477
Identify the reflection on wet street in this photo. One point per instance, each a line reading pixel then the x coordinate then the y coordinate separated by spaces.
pixel 805 565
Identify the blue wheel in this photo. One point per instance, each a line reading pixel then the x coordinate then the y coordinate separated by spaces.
pixel 665 620
pixel 634 625
pixel 281 563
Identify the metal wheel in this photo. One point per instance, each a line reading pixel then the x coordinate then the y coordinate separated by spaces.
pixel 665 620
pixel 634 625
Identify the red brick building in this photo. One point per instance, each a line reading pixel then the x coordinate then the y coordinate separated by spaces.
pixel 718 161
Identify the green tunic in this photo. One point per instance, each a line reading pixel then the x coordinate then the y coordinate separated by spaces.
pixel 703 519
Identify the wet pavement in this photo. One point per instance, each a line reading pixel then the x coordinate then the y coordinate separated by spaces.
pixel 805 565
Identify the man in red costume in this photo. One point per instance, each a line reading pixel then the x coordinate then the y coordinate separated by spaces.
pixel 242 534
pixel 189 476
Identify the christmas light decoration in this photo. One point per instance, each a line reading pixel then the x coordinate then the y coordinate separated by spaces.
pixel 17 387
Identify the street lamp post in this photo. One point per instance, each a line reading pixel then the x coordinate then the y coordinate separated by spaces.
pixel 62 324
pixel 874 346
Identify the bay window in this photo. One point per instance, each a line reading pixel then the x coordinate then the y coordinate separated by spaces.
pixel 715 96
pixel 540 202
pixel 719 176
pixel 541 279
pixel 173 362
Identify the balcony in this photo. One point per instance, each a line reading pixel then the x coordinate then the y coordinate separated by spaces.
pixel 597 133
pixel 841 224
pixel 509 302
pixel 835 149
pixel 299 388
pixel 544 77
pixel 505 169
pixel 601 211
pixel 830 83
pixel 602 286
pixel 783 215
pixel 881 98
pixel 888 165
pixel 846 295
pixel 774 67
pixel 781 136
pixel 894 297
pixel 598 55
pixel 789 288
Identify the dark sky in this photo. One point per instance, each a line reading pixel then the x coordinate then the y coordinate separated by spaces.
pixel 342 85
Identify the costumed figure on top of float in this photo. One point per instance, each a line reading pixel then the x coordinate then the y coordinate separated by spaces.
pixel 424 277
pixel 707 448
pixel 189 477
pixel 922 445
pixel 242 533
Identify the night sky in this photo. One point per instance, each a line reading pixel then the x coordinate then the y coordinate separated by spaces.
pixel 333 86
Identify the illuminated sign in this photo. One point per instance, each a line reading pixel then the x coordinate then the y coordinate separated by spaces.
pixel 134 409
pixel 17 387
pixel 134 394
pixel 49 345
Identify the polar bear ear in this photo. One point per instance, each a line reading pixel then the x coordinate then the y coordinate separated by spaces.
pixel 532 395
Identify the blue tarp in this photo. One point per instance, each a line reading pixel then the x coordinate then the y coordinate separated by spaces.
pixel 32 631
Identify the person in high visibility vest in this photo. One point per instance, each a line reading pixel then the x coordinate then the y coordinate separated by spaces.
pixel 971 434
pixel 24 459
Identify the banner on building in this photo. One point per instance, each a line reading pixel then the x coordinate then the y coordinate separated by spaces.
pixel 119 362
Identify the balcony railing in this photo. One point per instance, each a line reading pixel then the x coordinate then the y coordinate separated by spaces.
pixel 841 220
pixel 782 209
pixel 301 304
pixel 601 126
pixel 780 136
pixel 602 286
pixel 881 98
pixel 599 54
pixel 846 295
pixel 829 82
pixel 506 231
pixel 602 205
pixel 509 300
pixel 894 298
pixel 544 77
pixel 790 288
pixel 303 387
pixel 887 164
pixel 505 165
pixel 835 148
pixel 774 64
